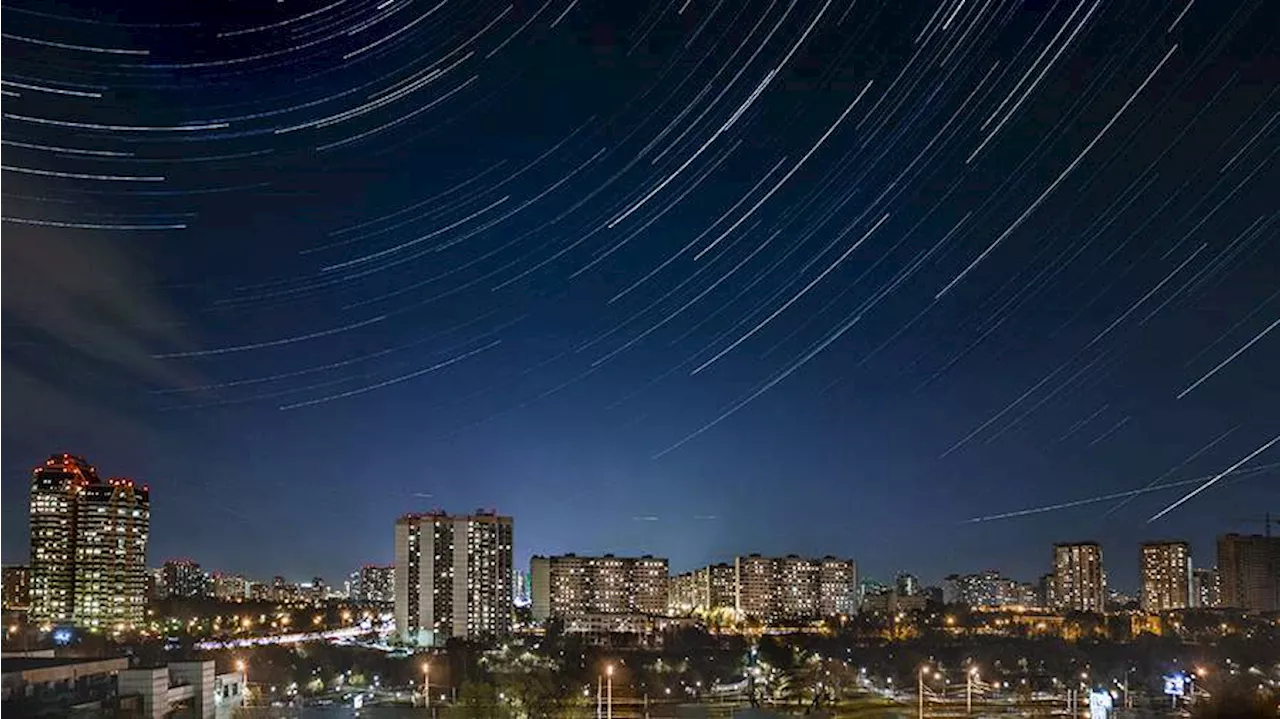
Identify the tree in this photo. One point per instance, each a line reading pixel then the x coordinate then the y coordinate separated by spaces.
pixel 478 700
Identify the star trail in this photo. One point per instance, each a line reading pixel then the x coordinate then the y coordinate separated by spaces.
pixel 826 277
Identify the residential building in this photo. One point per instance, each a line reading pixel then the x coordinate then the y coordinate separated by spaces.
pixel 1249 571
pixel 1206 591
pixel 377 583
pixel 55 486
pixel 1165 575
pixel 17 588
pixel 113 519
pixel 88 546
pixel 453 576
pixel 794 588
pixel 230 587
pixel 989 589
pixel 184 578
pixel 1079 582
pixel 837 587
pixel 570 585
pixel 706 589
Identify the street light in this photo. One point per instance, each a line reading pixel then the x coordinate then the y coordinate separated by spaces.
pixel 608 670
pixel 920 688
pixel 243 668
pixel 426 683
pixel 968 689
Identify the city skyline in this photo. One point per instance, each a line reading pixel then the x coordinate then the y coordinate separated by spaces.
pixel 1143 584
pixel 860 279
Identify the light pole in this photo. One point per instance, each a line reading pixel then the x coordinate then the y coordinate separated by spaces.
pixel 599 697
pixel 968 690
pixel 426 684
pixel 920 689
pixel 244 674
pixel 608 671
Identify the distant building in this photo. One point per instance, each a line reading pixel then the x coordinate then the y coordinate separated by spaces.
pixel 17 588
pixel 184 578
pixel 1044 591
pixel 88 546
pixel 1079 582
pixel 932 594
pixel 1206 591
pixel 453 576
pixel 522 589
pixel 989 589
pixel 571 586
pixel 1165 575
pixel 377 583
pixel 708 588
pixel 906 585
pixel 794 588
pixel 230 587
pixel 1249 571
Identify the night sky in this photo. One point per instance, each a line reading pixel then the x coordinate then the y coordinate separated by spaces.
pixel 694 278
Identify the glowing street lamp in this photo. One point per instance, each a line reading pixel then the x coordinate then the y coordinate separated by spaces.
pixel 426 683
pixel 968 689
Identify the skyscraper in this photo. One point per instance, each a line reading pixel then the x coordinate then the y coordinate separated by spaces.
pixel 453 576
pixel 907 585
pixel 1249 571
pixel 54 488
pixel 1079 583
pixel 570 585
pixel 113 520
pixel 88 545
pixel 1166 576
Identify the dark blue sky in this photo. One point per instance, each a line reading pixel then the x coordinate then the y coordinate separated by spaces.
pixel 688 278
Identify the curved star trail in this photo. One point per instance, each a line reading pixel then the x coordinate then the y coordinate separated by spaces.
pixel 1011 244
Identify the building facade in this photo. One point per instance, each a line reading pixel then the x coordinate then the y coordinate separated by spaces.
pixel 794 588
pixel 571 586
pixel 990 589
pixel 453 576
pixel 1166 576
pixel 706 589
pixel 113 520
pixel 376 583
pixel 88 546
pixel 185 579
pixel 1079 582
pixel 230 587
pixel 17 588
pixel 1249 572
pixel 1206 591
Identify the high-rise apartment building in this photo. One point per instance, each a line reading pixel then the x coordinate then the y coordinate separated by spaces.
pixel 837 587
pixel 791 587
pixel 230 587
pixel 113 519
pixel 184 578
pixel 88 546
pixel 1249 571
pixel 709 588
pixel 17 588
pixel 54 489
pixel 1079 582
pixel 377 583
pixel 1206 591
pixel 453 576
pixel 1166 576
pixel 570 585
